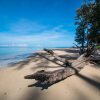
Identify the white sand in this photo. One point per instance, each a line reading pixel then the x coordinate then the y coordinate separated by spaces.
pixel 13 86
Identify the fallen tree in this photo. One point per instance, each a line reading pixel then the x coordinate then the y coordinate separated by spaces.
pixel 51 77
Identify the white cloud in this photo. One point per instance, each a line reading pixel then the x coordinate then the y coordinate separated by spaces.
pixel 24 26
pixel 43 37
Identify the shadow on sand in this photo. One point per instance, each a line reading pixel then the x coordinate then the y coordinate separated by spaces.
pixel 36 57
pixel 92 82
pixel 38 84
pixel 69 50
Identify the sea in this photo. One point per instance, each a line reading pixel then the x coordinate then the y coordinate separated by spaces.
pixel 9 55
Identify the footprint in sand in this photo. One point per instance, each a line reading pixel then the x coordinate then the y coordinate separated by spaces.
pixel 5 93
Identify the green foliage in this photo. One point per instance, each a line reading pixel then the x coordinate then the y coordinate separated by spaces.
pixel 88 23
pixel 98 47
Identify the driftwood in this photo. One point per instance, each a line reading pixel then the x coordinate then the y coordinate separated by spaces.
pixel 95 59
pixel 51 77
pixel 57 57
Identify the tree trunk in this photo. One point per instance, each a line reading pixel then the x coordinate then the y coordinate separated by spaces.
pixel 51 77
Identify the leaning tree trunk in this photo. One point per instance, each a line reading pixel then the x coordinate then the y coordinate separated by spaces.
pixel 51 77
pixel 48 77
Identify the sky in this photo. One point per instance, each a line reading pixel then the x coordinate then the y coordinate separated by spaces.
pixel 38 23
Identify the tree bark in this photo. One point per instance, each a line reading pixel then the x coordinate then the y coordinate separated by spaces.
pixel 57 57
pixel 51 77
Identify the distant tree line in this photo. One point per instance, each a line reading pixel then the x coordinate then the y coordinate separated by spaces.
pixel 87 23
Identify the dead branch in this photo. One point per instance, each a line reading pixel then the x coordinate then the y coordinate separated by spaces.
pixel 76 45
pixel 48 77
pixel 57 57
pixel 51 77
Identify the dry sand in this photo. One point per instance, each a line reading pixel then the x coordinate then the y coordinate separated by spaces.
pixel 13 86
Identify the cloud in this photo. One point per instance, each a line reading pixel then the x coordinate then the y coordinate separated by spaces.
pixel 24 26
pixel 27 33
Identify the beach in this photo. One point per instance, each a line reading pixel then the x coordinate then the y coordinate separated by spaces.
pixel 85 86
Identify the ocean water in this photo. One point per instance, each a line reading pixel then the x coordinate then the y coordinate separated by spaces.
pixel 10 55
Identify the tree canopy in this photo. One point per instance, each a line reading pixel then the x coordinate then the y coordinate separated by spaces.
pixel 88 23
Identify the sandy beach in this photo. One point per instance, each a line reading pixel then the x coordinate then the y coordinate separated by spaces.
pixel 13 86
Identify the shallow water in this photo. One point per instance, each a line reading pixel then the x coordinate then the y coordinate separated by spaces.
pixel 9 55
pixel 15 54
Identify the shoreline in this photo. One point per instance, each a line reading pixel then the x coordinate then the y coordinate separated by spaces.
pixel 20 58
pixel 13 86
